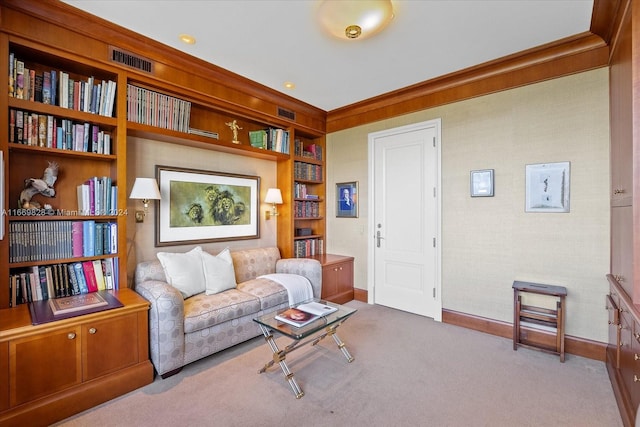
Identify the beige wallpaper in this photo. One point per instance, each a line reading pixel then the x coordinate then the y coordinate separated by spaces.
pixel 487 243
pixel 142 157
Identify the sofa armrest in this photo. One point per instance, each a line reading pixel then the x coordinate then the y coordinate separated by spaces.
pixel 309 268
pixel 166 324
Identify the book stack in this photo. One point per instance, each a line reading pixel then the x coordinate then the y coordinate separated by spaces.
pixel 308 247
pixel 44 130
pixel 306 209
pixel 273 139
pixel 56 87
pixel 38 283
pixel 97 196
pixel 313 151
pixel 152 108
pixel 307 171
pixel 31 241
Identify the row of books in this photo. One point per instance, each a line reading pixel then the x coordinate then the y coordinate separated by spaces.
pixel 55 87
pixel 313 151
pixel 273 139
pixel 45 130
pixel 45 282
pixel 306 209
pixel 300 192
pixel 302 170
pixel 49 240
pixel 147 107
pixel 97 196
pixel 308 247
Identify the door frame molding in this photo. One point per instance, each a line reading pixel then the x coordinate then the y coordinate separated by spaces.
pixel 434 123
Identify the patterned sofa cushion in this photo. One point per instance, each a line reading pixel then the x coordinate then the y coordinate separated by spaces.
pixel 270 293
pixel 251 263
pixel 203 311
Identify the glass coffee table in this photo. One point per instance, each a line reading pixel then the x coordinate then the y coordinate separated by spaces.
pixel 313 333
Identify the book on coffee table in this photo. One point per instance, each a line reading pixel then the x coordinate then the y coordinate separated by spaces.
pixel 317 308
pixel 304 314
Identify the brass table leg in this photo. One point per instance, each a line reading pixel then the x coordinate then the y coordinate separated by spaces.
pixel 341 345
pixel 279 356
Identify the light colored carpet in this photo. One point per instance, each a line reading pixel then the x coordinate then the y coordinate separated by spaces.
pixel 408 371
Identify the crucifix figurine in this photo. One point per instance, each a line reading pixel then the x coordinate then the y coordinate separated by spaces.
pixel 234 127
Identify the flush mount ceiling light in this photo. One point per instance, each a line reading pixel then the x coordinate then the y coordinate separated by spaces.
pixel 353 19
pixel 187 38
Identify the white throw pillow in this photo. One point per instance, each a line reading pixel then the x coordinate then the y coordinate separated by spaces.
pixel 184 271
pixel 218 272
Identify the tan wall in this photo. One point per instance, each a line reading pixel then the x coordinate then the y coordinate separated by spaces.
pixel 142 157
pixel 487 243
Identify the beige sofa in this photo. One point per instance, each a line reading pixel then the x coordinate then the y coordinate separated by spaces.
pixel 184 328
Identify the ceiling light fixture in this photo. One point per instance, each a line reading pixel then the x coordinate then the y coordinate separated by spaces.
pixel 186 38
pixel 289 85
pixel 353 19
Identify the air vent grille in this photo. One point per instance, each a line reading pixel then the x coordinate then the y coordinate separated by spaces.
pixel 130 60
pixel 287 114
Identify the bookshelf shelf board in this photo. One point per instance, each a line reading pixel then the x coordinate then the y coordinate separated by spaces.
pixel 102 218
pixel 61 153
pixel 109 123
pixel 310 160
pixel 311 236
pixel 59 261
pixel 182 138
pixel 309 181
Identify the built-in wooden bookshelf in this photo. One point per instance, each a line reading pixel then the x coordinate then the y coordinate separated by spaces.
pixel 48 36
pixel 66 117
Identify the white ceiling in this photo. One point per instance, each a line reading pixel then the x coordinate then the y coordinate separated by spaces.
pixel 273 41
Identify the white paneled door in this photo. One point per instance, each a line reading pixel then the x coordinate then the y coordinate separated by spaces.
pixel 405 250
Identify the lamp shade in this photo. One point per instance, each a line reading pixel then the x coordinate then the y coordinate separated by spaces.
pixel 145 189
pixel 273 196
pixel 350 19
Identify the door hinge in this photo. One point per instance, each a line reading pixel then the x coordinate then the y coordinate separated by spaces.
pixel 434 242
pixel 434 142
pixel 434 292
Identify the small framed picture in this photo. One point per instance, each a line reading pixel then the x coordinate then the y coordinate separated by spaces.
pixel 547 187
pixel 482 183
pixel 347 199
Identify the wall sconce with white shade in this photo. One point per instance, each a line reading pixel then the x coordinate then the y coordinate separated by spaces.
pixel 145 189
pixel 350 20
pixel 274 196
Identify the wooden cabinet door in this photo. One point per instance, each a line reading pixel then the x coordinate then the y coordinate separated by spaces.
pixel 329 281
pixel 613 347
pixel 627 362
pixel 337 281
pixel 109 345
pixel 44 364
pixel 4 376
pixel 622 247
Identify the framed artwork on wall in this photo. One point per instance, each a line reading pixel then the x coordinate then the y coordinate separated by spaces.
pixel 547 187
pixel 482 183
pixel 347 199
pixel 200 206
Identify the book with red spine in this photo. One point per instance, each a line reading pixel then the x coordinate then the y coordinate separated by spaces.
pixel 90 276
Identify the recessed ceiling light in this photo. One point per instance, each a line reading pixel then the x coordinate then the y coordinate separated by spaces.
pixel 290 85
pixel 187 38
